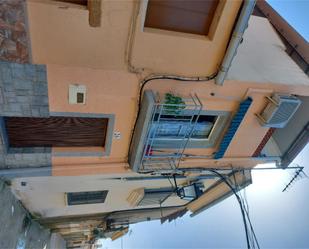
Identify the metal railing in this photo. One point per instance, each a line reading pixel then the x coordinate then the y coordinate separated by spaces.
pixel 172 124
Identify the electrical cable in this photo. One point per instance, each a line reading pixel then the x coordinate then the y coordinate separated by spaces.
pixel 240 205
pixel 246 209
pixel 164 77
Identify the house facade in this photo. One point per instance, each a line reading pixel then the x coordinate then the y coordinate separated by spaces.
pixel 116 112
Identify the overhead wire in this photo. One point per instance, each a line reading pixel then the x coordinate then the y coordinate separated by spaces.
pixel 246 210
pixel 240 205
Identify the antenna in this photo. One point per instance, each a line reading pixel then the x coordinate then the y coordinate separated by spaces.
pixel 299 173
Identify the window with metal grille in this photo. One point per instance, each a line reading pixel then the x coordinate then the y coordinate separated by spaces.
pixel 155 196
pixel 90 197
pixel 176 126
pixel 185 16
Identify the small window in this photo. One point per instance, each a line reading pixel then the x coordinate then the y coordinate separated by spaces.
pixel 185 16
pixel 155 196
pixel 91 197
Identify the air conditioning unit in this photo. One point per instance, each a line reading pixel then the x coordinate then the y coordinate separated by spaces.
pixel 279 110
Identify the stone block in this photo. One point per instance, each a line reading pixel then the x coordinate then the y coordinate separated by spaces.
pixel 35 112
pixel 40 89
pixel 9 94
pixel 11 99
pixel 28 150
pixel 18 73
pixel 15 107
pixel 8 87
pixel 13 150
pixel 38 149
pixel 23 92
pixel 44 111
pixel 28 157
pixel 41 76
pixel 23 84
pixel 30 72
pixel 23 99
pixel 11 114
pixel 39 100
pixel 1 97
pixel 19 157
pixel 6 73
pixel 25 109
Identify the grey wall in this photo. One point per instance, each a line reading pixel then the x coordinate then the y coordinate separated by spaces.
pixel 23 93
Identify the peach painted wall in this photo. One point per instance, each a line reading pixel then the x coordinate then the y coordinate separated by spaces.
pixel 63 36
pixel 116 92
pixel 108 92
pixel 113 90
pixel 262 57
pixel 60 34
pixel 191 55
pixel 46 195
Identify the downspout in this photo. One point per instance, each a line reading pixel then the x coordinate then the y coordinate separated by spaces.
pixel 237 35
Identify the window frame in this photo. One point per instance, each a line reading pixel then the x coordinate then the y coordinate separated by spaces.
pixel 212 28
pixel 168 191
pixel 55 151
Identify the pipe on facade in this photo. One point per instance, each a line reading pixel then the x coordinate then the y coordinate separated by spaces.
pixel 236 39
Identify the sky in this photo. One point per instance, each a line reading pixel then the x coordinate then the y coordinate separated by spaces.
pixel 295 12
pixel 280 219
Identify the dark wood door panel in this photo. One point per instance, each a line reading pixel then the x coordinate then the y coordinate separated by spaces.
pixel 193 17
pixel 56 131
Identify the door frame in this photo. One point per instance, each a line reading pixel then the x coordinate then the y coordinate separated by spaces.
pixel 78 151
pixel 105 151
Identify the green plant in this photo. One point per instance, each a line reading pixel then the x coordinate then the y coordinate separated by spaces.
pixel 174 104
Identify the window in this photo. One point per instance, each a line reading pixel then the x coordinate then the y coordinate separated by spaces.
pixel 207 129
pixel 185 16
pixel 155 196
pixel 91 197
pixel 174 127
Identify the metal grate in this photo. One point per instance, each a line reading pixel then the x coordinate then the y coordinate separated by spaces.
pixel 91 197
pixel 181 116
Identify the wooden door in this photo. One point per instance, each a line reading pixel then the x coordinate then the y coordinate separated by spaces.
pixel 56 131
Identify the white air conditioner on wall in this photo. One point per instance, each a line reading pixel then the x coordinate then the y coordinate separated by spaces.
pixel 279 110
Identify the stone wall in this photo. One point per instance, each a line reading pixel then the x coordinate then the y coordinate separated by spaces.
pixel 23 90
pixel 14 40
pixel 23 93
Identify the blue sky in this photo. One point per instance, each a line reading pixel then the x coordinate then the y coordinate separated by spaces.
pixel 295 12
pixel 281 220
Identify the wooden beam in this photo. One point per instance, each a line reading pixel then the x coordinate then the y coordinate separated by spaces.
pixel 94 7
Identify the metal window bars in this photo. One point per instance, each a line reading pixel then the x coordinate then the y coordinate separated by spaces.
pixel 170 130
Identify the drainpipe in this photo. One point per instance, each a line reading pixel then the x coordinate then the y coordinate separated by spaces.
pixel 237 35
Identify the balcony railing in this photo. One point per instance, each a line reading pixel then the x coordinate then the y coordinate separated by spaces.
pixel 173 122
